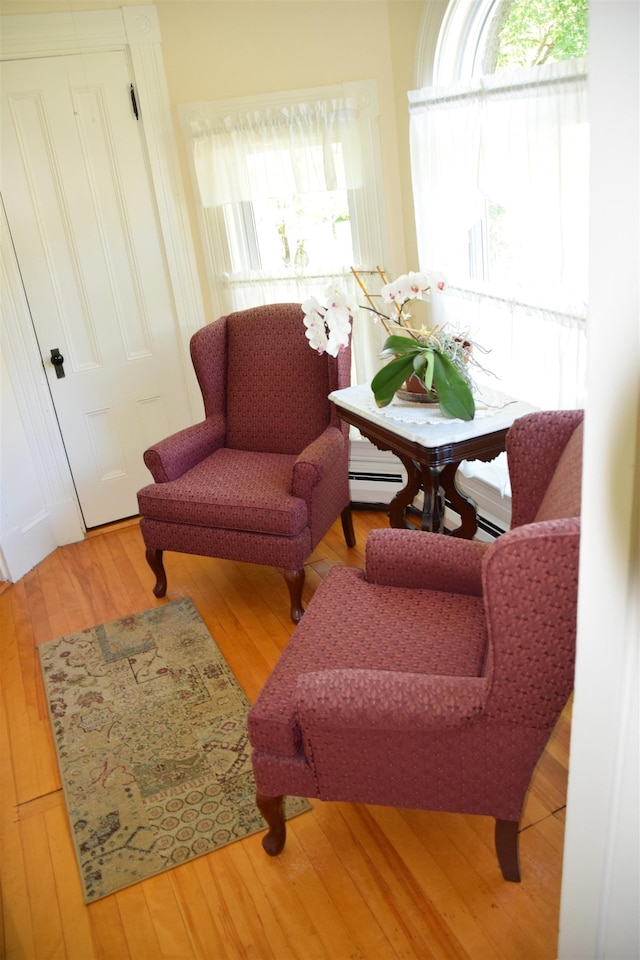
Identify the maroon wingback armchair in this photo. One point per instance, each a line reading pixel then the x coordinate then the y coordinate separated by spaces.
pixel 434 678
pixel 265 474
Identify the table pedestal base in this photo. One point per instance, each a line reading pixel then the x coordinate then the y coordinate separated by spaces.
pixel 437 485
pixel 431 456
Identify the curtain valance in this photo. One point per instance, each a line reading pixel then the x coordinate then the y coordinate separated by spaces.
pixel 274 151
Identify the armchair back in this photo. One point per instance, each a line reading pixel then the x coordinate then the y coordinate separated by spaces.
pixel 544 452
pixel 530 575
pixel 255 368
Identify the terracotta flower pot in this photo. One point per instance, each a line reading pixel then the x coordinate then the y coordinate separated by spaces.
pixel 416 391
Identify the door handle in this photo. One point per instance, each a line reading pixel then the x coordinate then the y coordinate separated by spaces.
pixel 58 361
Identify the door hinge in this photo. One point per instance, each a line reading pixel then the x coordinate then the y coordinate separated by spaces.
pixel 134 102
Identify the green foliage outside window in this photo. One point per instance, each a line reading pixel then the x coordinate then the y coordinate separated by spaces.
pixel 541 31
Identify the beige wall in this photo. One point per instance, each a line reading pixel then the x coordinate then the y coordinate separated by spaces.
pixel 219 49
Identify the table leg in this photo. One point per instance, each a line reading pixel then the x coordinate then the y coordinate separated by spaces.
pixel 433 504
pixel 465 507
pixel 404 497
pixel 419 477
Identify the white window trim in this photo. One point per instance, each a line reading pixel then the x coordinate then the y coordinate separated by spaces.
pixel 459 51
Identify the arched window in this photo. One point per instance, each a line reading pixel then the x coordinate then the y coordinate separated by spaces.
pixel 487 36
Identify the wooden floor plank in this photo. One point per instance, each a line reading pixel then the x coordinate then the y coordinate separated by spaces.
pixel 43 891
pixel 17 921
pixel 325 917
pixel 76 925
pixel 369 875
pixel 427 931
pixel 107 930
pixel 164 910
pixel 17 633
pixel 137 923
pixel 194 903
pixel 228 915
pixel 327 861
pixel 409 831
pixel 282 882
pixel 473 874
pixel 257 932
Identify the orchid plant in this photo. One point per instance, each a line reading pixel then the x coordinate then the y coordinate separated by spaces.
pixel 438 358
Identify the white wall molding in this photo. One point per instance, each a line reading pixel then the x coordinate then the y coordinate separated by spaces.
pixel 52 34
pixel 141 25
pixel 143 34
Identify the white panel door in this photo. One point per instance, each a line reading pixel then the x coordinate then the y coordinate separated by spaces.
pixel 83 220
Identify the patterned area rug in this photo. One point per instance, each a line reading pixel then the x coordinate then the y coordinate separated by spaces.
pixel 150 730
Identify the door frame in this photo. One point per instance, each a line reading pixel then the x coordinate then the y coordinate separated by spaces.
pixel 136 31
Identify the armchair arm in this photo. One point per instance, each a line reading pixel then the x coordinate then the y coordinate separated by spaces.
pixel 385 700
pixel 174 455
pixel 428 561
pixel 316 458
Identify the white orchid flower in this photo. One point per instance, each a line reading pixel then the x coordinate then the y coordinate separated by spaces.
pixel 328 328
pixel 317 337
pixel 313 311
pixel 437 280
pixel 337 320
pixel 408 286
pixel 418 284
pixel 337 297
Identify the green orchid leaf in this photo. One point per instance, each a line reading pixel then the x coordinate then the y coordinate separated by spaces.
pixel 428 374
pixel 420 365
pixel 398 345
pixel 454 393
pixel 390 378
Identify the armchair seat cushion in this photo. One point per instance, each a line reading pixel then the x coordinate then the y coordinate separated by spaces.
pixel 233 490
pixel 347 627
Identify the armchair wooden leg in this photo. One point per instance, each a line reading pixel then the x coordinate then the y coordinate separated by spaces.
pixel 347 526
pixel 295 583
pixel 507 849
pixel 272 809
pixel 154 559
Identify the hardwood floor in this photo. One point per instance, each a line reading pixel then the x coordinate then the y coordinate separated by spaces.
pixel 353 882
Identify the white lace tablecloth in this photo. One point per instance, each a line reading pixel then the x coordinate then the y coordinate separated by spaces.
pixel 423 424
pixel 488 401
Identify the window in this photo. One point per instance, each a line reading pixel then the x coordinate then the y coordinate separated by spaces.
pixel 514 34
pixel 289 197
pixel 528 33
pixel 500 172
pixel 482 37
pixel 290 233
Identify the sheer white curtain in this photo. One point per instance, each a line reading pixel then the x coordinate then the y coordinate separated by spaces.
pixel 289 197
pixel 500 179
pixel 300 140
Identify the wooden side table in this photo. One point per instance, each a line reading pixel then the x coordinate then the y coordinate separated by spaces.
pixel 430 452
